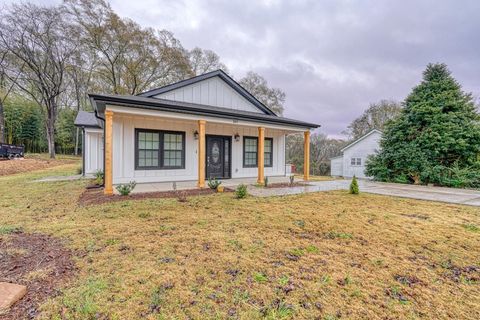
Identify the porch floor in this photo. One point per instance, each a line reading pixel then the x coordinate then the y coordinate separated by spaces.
pixel 186 185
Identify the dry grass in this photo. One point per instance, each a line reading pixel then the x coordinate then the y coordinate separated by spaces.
pixel 327 255
pixel 299 177
pixel 33 162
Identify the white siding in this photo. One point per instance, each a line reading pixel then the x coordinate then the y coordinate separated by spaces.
pixel 93 151
pixel 124 145
pixel 362 149
pixel 213 92
pixel 336 166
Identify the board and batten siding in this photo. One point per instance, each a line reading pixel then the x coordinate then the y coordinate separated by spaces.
pixel 124 149
pixel 336 166
pixel 93 151
pixel 362 149
pixel 213 92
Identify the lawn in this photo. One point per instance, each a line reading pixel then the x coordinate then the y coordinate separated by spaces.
pixel 324 255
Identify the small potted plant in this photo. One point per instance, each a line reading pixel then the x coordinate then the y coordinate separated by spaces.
pixel 214 184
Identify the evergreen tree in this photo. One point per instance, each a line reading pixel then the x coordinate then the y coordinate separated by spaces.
pixel 436 136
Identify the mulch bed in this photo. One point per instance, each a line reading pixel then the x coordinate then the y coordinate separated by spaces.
pixel 287 185
pixel 40 262
pixel 94 196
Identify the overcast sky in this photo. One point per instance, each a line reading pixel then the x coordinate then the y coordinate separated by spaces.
pixel 332 58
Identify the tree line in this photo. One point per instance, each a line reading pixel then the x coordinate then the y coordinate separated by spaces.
pixel 51 57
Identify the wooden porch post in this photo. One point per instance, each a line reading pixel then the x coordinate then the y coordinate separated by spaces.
pixel 306 155
pixel 108 175
pixel 201 153
pixel 261 155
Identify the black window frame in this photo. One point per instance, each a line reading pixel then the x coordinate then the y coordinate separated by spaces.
pixel 356 162
pixel 271 153
pixel 161 149
pixel 256 163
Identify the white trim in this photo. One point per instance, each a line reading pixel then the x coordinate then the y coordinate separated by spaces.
pixel 360 139
pixel 337 157
pixel 174 115
pixel 96 130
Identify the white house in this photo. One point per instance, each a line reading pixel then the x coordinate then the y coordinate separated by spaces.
pixel 205 126
pixel 354 155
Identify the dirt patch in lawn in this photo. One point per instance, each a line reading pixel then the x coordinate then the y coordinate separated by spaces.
pixel 40 262
pixel 8 167
pixel 95 196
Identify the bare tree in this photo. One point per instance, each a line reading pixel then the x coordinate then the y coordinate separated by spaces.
pixel 375 117
pixel 80 72
pixel 273 98
pixel 322 149
pixel 37 40
pixel 130 59
pixel 203 61
pixel 6 87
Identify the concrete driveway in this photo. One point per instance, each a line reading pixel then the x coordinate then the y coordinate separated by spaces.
pixel 449 195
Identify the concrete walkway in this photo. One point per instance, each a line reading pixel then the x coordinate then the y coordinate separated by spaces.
pixel 62 178
pixel 449 195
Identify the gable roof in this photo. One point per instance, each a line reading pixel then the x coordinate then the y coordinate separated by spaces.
pixel 86 119
pixel 361 138
pixel 217 73
pixel 100 100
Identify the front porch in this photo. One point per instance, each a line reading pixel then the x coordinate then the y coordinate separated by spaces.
pixel 192 184
pixel 203 145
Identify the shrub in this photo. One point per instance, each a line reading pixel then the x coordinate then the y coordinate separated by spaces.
pixel 99 177
pixel 265 182
pixel 79 170
pixel 182 196
pixel 291 179
pixel 354 186
pixel 125 189
pixel 241 191
pixel 213 183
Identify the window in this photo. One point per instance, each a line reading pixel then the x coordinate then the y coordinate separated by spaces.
pixel 356 161
pixel 159 149
pixel 250 151
pixel 268 152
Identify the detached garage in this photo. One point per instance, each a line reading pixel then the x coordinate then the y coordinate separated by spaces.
pixel 354 155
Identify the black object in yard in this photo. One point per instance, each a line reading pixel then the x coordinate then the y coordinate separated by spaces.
pixel 10 151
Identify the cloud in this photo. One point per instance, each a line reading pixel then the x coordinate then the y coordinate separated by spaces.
pixel 331 57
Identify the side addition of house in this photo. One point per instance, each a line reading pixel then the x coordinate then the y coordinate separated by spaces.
pixel 354 155
pixel 203 127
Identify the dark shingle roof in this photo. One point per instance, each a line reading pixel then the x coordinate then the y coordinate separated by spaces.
pixel 87 119
pixel 99 101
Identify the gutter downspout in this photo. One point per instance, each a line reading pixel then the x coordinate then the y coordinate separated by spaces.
pixel 83 151
pixel 92 101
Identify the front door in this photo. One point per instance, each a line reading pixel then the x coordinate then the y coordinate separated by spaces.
pixel 218 157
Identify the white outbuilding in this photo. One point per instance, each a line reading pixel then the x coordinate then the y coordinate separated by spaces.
pixel 354 155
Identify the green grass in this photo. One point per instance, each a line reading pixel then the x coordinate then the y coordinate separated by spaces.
pixel 9 229
pixel 471 227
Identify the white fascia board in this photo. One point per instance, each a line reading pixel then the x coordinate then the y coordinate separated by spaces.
pixel 192 117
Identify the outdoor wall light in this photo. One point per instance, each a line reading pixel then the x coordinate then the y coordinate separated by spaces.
pixel 236 137
pixel 195 135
